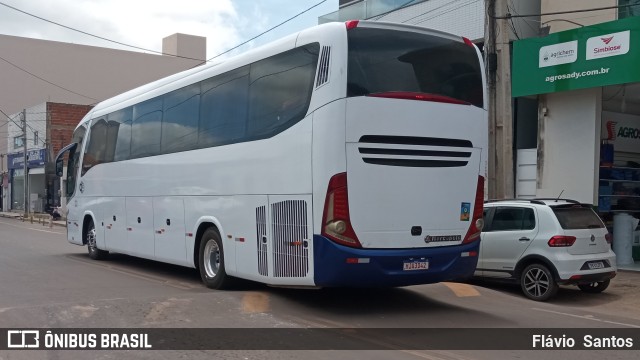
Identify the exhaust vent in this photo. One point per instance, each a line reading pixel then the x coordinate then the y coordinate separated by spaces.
pixel 290 238
pixel 261 240
pixel 413 151
pixel 323 68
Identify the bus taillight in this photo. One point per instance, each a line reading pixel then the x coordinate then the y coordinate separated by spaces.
pixel 351 24
pixel 408 95
pixel 336 224
pixel 477 222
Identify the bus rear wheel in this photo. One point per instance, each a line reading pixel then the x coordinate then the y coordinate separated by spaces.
pixel 211 261
pixel 92 247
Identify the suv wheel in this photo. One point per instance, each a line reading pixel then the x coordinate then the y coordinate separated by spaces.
pixel 537 282
pixel 595 287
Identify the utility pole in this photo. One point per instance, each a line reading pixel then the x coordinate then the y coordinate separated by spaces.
pixel 504 115
pixel 491 64
pixel 501 169
pixel 26 168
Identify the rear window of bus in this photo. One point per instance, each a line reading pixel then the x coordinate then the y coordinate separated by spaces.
pixel 382 60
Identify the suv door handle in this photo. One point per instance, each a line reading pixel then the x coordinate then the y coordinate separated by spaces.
pixel 524 239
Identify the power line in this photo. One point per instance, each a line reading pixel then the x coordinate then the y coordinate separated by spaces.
pixel 24 130
pixel 45 80
pixel 509 16
pixel 95 36
pixel 428 11
pixel 9 117
pixel 405 5
pixel 447 11
pixel 266 31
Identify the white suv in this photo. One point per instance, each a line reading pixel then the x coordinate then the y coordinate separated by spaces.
pixel 543 243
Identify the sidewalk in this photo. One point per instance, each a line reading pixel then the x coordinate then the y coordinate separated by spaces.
pixel 36 218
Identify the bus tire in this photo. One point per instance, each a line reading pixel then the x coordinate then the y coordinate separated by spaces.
pixel 92 246
pixel 211 261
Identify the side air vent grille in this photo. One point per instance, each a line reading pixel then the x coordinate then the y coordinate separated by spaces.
pixel 413 151
pixel 290 238
pixel 323 66
pixel 261 240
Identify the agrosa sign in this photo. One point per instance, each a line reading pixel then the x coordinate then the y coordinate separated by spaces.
pixel 591 56
pixel 623 130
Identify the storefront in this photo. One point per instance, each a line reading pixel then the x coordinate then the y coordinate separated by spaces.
pixel 584 85
pixel 35 184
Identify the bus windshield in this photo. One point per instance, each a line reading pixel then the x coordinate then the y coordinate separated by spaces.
pixel 382 61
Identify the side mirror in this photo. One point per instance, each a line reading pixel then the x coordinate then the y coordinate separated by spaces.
pixel 59 166
pixel 60 158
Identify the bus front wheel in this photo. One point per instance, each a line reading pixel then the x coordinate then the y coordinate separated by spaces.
pixel 92 247
pixel 211 261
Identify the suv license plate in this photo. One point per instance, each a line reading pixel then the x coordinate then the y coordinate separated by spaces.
pixel 596 265
pixel 415 265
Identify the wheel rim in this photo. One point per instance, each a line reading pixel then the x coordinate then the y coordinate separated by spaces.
pixel 91 239
pixel 212 258
pixel 536 282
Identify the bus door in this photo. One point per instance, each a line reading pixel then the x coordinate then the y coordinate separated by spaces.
pixel 115 224
pixel 140 239
pixel 169 230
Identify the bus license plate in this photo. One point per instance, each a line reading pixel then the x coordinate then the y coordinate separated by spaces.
pixel 596 265
pixel 415 265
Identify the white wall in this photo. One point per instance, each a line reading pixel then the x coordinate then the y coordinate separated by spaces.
pixel 525 26
pixel 559 22
pixel 92 73
pixel 463 17
pixel 526 173
pixel 569 145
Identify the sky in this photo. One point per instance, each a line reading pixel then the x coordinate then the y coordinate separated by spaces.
pixel 143 23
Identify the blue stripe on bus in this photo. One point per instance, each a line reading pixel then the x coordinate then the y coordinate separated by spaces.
pixel 385 266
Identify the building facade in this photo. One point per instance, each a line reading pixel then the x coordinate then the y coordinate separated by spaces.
pixel 34 71
pixel 49 127
pixel 580 135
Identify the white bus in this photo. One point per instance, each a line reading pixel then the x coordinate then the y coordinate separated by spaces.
pixel 348 154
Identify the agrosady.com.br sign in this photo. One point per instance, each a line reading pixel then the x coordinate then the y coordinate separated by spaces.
pixel 591 56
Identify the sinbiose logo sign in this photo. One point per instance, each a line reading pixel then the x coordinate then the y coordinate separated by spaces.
pixel 608 45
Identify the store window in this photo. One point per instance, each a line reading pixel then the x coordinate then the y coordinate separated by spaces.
pixel 628 8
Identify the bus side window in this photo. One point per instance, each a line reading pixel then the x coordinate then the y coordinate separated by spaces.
pixel 146 128
pixel 223 108
pixel 280 90
pixel 96 149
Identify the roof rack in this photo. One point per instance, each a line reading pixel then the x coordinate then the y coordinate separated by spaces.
pixel 557 199
pixel 533 201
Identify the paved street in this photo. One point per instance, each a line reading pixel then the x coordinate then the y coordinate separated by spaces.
pixel 47 283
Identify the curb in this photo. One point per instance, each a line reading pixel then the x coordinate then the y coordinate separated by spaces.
pixel 39 220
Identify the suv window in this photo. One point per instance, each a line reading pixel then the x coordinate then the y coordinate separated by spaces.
pixel 512 218
pixel 574 217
